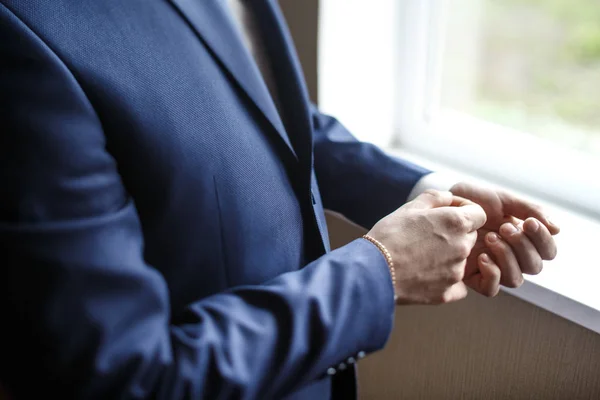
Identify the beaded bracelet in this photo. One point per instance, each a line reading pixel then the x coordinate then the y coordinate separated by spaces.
pixel 388 259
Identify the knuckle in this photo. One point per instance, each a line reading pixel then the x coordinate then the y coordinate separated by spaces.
pixel 514 282
pixel 445 297
pixel 449 297
pixel 463 250
pixel 457 275
pixel 433 195
pixel 491 291
pixel 432 192
pixel 456 221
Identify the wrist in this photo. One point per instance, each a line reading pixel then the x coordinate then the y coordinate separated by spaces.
pixel 388 259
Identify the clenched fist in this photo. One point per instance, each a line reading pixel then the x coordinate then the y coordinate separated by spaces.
pixel 429 240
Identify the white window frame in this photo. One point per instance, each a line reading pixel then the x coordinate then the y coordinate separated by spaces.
pixel 379 73
pixel 509 157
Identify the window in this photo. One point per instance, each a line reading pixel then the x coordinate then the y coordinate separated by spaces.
pixel 532 65
pixel 451 79
pixel 502 90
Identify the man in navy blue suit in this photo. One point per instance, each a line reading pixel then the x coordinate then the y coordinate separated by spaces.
pixel 163 177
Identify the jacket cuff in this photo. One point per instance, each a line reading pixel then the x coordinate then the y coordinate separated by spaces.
pixel 378 309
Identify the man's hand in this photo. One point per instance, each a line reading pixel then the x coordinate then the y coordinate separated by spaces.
pixel 517 236
pixel 429 240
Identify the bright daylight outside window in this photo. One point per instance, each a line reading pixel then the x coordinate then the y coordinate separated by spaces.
pixel 530 65
pixel 507 91
pixel 504 90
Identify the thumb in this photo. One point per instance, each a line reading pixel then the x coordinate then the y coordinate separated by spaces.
pixel 431 199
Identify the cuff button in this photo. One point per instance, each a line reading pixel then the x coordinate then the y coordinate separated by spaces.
pixel 331 371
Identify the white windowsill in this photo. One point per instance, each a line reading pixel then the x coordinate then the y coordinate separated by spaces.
pixel 569 286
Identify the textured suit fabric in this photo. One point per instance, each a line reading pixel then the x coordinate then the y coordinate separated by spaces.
pixel 161 229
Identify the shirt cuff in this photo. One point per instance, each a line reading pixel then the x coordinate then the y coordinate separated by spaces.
pixel 435 180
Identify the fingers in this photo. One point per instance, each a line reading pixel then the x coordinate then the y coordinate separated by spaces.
pixel 505 259
pixel 431 199
pixel 524 209
pixel 464 216
pixel 474 215
pixel 541 238
pixel 487 280
pixel 458 201
pixel 490 275
pixel 464 219
pixel 456 292
pixel 470 240
pixel 528 257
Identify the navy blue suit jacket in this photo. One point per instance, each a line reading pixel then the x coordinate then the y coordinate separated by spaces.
pixel 161 229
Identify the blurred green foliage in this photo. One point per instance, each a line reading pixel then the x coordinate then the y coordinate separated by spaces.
pixel 542 62
pixel 581 20
pixel 585 42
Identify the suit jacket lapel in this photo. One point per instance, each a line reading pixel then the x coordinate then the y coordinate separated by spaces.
pixel 290 79
pixel 295 102
pixel 211 22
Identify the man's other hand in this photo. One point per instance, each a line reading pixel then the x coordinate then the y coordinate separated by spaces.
pixel 517 237
pixel 429 240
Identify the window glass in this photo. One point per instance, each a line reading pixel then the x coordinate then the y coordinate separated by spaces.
pixel 532 65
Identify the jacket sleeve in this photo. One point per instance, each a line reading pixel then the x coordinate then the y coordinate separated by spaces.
pixel 358 179
pixel 84 316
